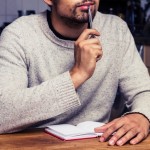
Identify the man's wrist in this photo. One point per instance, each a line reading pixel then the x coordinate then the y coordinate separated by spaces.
pixel 77 77
pixel 128 113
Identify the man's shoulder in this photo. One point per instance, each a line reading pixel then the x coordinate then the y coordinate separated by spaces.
pixel 25 22
pixel 109 19
pixel 110 25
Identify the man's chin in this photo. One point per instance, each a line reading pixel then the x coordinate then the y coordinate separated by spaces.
pixel 82 21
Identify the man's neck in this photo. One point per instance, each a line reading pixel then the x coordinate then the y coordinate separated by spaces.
pixel 66 29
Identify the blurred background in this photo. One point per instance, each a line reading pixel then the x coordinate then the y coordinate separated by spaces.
pixel 135 12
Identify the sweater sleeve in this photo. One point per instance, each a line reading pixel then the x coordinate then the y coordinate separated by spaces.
pixel 22 106
pixel 134 79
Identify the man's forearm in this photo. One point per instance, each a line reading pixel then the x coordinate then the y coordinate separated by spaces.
pixel 24 107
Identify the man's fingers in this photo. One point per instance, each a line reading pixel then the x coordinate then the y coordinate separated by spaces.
pixel 123 135
pixel 106 126
pixel 86 33
pixel 138 138
pixel 88 42
pixel 112 129
pixel 122 139
pixel 118 134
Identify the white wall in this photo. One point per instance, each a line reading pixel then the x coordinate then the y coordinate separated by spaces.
pixel 9 8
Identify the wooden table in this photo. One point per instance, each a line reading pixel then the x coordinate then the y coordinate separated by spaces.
pixel 39 140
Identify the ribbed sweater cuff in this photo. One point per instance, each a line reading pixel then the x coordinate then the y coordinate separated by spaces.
pixel 67 97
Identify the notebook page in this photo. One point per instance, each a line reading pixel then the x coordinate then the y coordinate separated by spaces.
pixel 89 126
pixel 66 129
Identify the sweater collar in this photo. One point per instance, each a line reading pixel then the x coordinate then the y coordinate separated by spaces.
pixel 51 35
pixel 54 31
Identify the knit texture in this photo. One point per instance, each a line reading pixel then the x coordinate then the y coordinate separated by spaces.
pixel 35 85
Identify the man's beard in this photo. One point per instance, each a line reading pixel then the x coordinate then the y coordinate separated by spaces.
pixel 74 18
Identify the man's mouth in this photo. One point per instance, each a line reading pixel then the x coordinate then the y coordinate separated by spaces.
pixel 84 6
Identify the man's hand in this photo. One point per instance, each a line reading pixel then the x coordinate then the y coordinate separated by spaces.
pixel 131 127
pixel 87 51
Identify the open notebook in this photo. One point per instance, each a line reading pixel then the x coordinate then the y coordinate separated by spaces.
pixel 67 132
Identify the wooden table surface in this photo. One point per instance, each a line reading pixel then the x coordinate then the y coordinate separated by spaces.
pixel 39 140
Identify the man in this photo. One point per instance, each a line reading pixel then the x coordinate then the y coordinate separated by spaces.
pixel 53 72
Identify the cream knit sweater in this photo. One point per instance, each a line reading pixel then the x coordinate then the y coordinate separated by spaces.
pixel 35 84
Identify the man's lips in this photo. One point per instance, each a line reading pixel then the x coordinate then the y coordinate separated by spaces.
pixel 85 6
